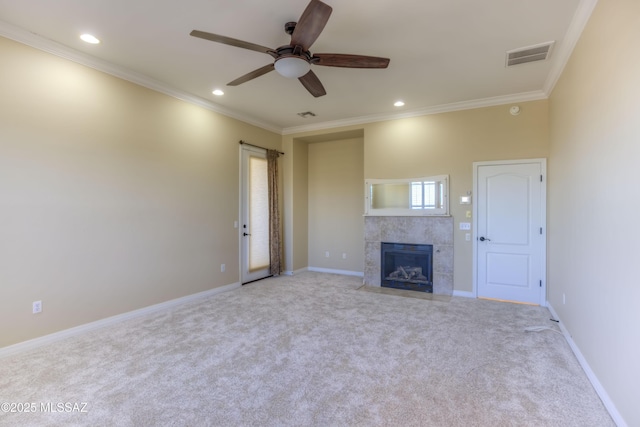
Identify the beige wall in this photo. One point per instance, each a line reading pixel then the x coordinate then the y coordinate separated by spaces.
pixel 113 197
pixel 296 205
pixel 336 204
pixel 448 144
pixel 594 176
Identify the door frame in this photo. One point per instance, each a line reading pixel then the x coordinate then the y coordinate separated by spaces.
pixel 543 220
pixel 245 148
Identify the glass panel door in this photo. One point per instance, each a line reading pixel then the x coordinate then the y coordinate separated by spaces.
pixel 255 254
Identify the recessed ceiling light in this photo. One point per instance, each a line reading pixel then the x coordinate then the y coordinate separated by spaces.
pixel 218 92
pixel 89 39
pixel 398 104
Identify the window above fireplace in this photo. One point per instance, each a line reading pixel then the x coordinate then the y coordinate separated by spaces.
pixel 407 197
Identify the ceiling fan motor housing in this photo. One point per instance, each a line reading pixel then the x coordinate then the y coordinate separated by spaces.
pixel 289 27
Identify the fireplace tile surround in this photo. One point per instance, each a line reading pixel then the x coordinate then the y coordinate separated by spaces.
pixel 429 230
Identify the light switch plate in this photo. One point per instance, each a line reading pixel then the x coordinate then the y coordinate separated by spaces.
pixel 465 226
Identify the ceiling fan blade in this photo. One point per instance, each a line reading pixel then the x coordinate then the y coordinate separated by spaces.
pixel 252 75
pixel 312 83
pixel 230 41
pixel 311 24
pixel 349 61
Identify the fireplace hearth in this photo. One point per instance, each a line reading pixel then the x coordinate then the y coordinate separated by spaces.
pixel 407 266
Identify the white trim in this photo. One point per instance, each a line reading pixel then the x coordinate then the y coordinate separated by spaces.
pixel 437 109
pixel 240 203
pixel 332 271
pixel 543 220
pixel 369 210
pixel 562 54
pixel 564 51
pixel 293 273
pixel 247 275
pixel 109 321
pixel 464 294
pixel 600 390
pixel 30 39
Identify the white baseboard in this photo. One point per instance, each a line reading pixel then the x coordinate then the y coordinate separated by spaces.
pixel 294 272
pixel 78 330
pixel 332 271
pixel 602 393
pixel 465 294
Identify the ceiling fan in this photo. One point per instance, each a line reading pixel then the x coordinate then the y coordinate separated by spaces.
pixel 294 60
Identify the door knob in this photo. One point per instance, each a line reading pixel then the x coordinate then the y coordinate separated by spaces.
pixel 482 239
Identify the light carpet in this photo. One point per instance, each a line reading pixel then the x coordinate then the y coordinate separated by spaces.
pixel 310 350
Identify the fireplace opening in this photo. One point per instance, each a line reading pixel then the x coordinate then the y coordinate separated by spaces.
pixel 407 266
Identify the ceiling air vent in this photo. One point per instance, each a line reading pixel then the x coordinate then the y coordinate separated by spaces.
pixel 539 52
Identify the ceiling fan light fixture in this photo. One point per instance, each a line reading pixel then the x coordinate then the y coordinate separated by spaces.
pixel 292 67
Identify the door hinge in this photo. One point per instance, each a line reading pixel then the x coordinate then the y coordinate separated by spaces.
pixel 540 283
pixel 540 230
pixel 540 178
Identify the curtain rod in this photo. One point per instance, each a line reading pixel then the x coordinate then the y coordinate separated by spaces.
pixel 257 146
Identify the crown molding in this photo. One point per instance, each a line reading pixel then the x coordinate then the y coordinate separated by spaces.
pixel 437 109
pixel 564 51
pixel 562 54
pixel 38 42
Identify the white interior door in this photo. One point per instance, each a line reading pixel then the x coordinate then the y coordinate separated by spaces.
pixel 254 223
pixel 510 244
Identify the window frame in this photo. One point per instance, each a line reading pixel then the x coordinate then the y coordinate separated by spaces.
pixel 370 210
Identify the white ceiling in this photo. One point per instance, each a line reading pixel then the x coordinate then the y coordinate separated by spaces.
pixel 445 54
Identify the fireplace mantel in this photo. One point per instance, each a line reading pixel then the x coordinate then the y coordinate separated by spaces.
pixel 429 230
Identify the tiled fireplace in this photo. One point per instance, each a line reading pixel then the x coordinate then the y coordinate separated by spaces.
pixel 423 230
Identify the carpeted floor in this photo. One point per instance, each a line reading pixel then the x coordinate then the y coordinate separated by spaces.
pixel 310 350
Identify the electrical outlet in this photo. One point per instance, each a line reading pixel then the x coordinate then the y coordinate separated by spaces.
pixel 223 268
pixel 37 307
pixel 344 255
pixel 467 237
pixel 326 254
